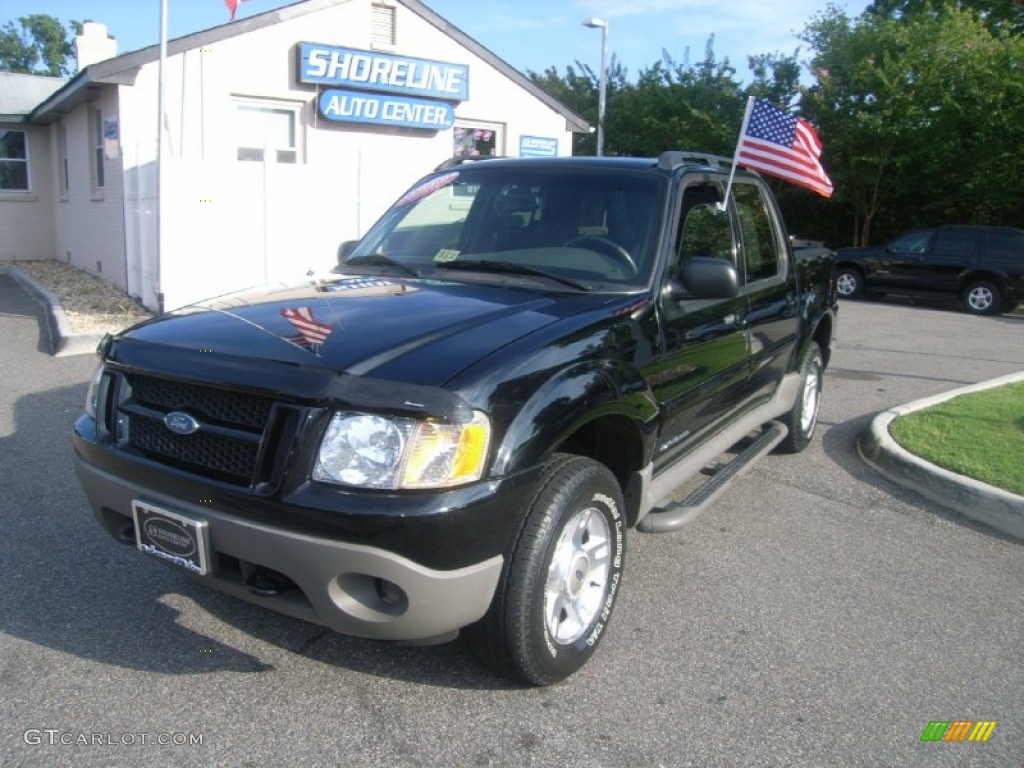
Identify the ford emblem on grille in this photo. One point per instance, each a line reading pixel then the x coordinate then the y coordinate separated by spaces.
pixel 180 423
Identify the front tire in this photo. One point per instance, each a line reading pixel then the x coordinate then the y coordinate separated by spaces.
pixel 559 585
pixel 849 283
pixel 803 418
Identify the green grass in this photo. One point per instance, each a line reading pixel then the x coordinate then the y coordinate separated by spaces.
pixel 980 435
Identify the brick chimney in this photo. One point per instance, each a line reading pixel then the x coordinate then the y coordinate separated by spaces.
pixel 94 45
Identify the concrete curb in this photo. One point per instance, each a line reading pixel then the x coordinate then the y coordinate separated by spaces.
pixel 62 341
pixel 995 507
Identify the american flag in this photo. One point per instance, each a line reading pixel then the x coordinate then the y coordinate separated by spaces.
pixel 232 6
pixel 312 333
pixel 779 144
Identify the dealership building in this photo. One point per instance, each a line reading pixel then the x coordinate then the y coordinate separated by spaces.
pixel 284 134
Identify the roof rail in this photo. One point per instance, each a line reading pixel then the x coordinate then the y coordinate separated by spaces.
pixel 673 158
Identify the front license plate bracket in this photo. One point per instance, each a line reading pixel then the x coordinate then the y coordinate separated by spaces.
pixel 171 536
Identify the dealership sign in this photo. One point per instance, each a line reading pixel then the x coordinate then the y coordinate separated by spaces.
pixel 379 109
pixel 537 146
pixel 419 92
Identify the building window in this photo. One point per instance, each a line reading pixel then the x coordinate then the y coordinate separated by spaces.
pixel 268 132
pixel 477 140
pixel 382 25
pixel 62 159
pixel 13 161
pixel 96 145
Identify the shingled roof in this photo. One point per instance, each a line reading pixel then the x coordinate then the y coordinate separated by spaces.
pixel 20 94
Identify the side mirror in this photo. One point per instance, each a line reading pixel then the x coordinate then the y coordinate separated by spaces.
pixel 705 277
pixel 345 249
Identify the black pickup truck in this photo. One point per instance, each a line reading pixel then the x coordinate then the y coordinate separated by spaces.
pixel 520 361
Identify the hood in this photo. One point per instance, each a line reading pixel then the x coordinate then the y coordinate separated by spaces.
pixel 411 330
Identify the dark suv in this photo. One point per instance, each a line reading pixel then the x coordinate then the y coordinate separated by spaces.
pixel 983 267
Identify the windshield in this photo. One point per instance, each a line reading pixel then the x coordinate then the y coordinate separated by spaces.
pixel 569 226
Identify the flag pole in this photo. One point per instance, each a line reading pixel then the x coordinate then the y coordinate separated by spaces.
pixel 161 142
pixel 732 172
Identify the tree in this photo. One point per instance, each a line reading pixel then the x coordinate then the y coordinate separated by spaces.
pixel 670 106
pixel 919 105
pixel 776 78
pixel 997 15
pixel 857 107
pixel 678 106
pixel 921 115
pixel 578 90
pixel 39 45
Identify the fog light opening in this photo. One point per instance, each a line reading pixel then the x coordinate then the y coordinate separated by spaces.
pixel 389 593
pixel 267 583
pixel 367 597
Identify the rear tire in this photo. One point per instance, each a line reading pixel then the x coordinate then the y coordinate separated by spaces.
pixel 803 418
pixel 982 298
pixel 559 585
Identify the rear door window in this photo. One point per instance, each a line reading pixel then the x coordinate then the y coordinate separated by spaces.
pixel 760 244
pixel 953 243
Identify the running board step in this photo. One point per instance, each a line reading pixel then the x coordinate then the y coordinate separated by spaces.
pixel 676 514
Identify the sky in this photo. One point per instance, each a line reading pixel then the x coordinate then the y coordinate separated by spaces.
pixel 528 34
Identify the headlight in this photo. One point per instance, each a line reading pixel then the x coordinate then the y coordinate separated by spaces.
pixel 93 394
pixel 370 451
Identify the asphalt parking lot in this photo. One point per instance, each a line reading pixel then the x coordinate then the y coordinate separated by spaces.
pixel 818 615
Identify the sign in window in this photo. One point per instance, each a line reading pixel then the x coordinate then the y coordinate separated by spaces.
pixel 476 140
pixel 538 146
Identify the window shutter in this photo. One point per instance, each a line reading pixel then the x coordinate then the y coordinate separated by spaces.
pixel 382 25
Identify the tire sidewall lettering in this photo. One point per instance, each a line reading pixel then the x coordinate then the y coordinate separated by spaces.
pixel 613 509
pixel 552 648
pixel 606 609
pixel 812 369
pixel 588 642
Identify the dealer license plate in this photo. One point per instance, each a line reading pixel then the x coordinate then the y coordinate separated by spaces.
pixel 172 537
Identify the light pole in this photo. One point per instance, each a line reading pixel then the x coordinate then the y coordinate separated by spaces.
pixel 602 24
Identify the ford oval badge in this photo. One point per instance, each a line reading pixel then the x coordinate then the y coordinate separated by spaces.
pixel 180 423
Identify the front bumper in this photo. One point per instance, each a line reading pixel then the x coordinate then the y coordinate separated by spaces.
pixel 326 581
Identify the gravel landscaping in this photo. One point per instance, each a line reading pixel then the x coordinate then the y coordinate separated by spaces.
pixel 91 305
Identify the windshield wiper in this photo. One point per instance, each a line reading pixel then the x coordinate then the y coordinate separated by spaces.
pixel 379 260
pixel 485 265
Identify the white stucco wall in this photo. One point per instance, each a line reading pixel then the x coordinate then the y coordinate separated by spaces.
pixel 227 224
pixel 26 218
